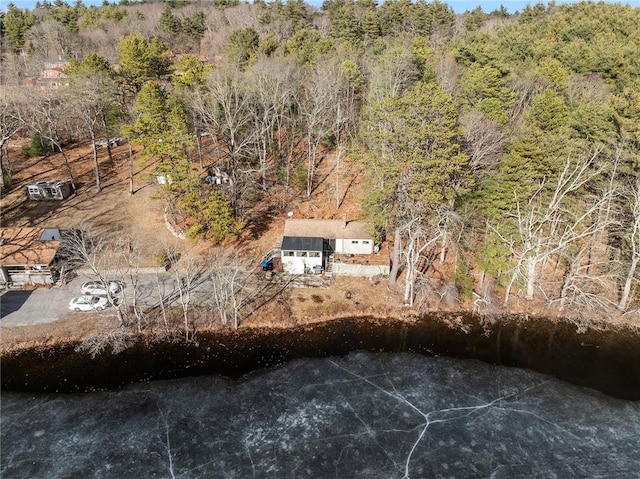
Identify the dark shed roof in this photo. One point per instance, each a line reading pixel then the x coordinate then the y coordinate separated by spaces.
pixel 298 243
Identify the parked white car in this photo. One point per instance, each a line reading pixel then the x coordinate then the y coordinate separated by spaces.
pixel 88 303
pixel 96 288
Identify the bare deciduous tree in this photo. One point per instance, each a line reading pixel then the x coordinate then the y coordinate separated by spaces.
pixel 161 290
pixel 317 101
pixel 47 114
pixel 228 275
pixel 450 226
pixel 225 112
pixel 126 265
pixel 187 269
pixel 418 239
pixel 483 141
pixel 633 242
pixel 10 125
pixel 50 39
pixel 395 72
pixel 544 227
pixel 88 98
pixel 82 247
pixel 448 73
pixel 273 86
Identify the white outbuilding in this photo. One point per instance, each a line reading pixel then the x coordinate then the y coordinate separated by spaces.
pixel 308 244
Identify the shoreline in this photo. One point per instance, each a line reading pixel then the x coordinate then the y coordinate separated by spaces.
pixel 600 356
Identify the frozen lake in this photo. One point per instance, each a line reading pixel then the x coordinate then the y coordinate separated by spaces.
pixel 364 415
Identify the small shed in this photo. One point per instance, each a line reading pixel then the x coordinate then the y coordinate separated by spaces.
pixel 49 190
pixel 302 255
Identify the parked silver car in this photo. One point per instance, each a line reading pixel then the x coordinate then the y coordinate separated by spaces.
pixel 88 303
pixel 97 288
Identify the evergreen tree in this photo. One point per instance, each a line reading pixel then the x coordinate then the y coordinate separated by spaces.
pixel 194 26
pixel 66 14
pixel 191 72
pixel 169 22
pixel 142 59
pixel 414 155
pixel 484 89
pixel 242 45
pixel 15 24
pixel 149 127
pixel 474 19
pixel 548 112
pixel 344 24
pixel 306 45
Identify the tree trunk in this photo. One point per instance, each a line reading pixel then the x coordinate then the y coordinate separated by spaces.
pixel 131 190
pixel 626 291
pixel 443 250
pixel 68 166
pixel 395 258
pixel 338 153
pixel 199 147
pixel 263 163
pixel 236 319
pixel 507 291
pixel 409 281
pixel 566 282
pixel 531 277
pixel 109 154
pixel 162 308
pixel 310 167
pixel 287 180
pixel 106 134
pixel 184 296
pixel 96 167
pixel 5 181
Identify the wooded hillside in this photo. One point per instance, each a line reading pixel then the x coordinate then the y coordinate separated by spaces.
pixel 506 146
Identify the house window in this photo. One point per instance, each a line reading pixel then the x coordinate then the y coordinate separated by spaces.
pixel 289 253
pixel 366 242
pixel 302 253
pixel 354 242
pixel 314 254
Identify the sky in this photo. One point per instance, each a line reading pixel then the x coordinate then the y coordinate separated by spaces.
pixel 459 6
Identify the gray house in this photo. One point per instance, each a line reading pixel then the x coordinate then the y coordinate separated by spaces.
pixel 343 247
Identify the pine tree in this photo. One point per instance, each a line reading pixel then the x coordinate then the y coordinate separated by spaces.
pixel 414 153
pixel 169 22
pixel 242 45
pixel 142 59
pixel 15 24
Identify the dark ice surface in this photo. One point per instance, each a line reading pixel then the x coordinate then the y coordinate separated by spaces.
pixel 365 415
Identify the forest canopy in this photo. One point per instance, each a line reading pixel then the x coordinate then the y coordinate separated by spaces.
pixel 508 144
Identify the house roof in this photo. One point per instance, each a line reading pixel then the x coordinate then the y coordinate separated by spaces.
pixel 328 229
pixel 24 247
pixel 298 243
